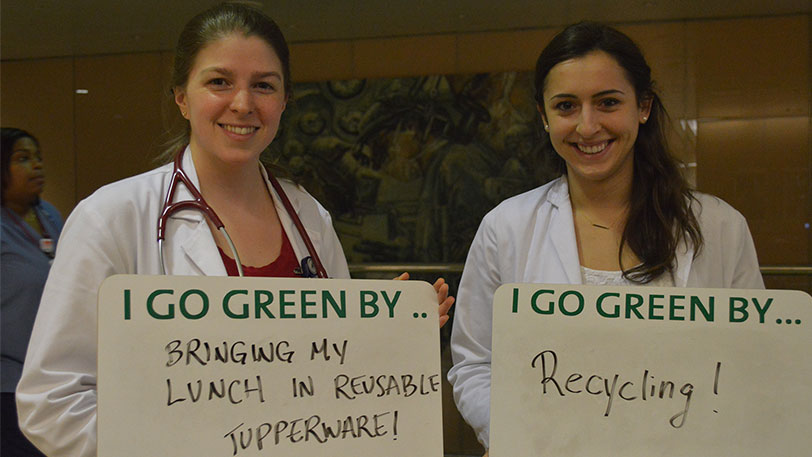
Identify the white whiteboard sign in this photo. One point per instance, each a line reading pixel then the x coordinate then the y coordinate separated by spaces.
pixel 632 371
pixel 202 366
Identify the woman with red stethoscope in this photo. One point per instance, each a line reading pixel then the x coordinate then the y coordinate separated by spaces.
pixel 231 81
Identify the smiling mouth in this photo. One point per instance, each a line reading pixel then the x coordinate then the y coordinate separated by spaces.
pixel 593 148
pixel 239 130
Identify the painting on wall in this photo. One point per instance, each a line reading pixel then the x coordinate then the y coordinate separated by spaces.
pixel 408 167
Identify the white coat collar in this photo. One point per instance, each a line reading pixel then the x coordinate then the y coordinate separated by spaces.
pixel 182 192
pixel 563 230
pixel 563 236
pixel 197 242
pixel 296 241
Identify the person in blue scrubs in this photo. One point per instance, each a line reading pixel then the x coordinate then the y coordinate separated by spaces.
pixel 30 228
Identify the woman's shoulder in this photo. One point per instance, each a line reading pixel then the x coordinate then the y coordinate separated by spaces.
pixel 136 193
pixel 301 199
pixel 718 219
pixel 146 185
pixel 711 207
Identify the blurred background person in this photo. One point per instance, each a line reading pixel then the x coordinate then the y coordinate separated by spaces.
pixel 30 230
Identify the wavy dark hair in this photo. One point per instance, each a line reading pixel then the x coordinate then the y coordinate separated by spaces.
pixel 10 135
pixel 660 210
pixel 207 27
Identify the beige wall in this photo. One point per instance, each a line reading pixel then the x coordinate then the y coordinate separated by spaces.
pixel 38 96
pixel 745 83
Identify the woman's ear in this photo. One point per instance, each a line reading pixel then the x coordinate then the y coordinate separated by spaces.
pixel 180 100
pixel 645 109
pixel 543 117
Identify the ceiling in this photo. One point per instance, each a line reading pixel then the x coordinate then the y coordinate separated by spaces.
pixel 49 28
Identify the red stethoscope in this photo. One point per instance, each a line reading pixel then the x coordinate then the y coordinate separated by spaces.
pixel 311 265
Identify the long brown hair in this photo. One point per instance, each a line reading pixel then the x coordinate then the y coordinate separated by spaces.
pixel 660 210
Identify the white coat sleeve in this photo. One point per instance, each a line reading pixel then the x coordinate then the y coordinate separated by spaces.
pixel 56 396
pixel 334 260
pixel 471 334
pixel 747 274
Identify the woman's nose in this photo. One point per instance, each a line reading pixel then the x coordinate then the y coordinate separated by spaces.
pixel 243 102
pixel 588 123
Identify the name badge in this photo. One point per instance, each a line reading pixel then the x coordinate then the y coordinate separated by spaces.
pixel 46 245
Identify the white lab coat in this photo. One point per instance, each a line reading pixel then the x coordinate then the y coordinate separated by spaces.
pixel 111 232
pixel 530 238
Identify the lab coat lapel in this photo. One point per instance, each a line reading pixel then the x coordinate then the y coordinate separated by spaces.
pixel 201 251
pixel 683 261
pixel 299 248
pixel 198 251
pixel 562 232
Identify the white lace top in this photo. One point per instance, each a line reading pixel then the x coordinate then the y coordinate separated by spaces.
pixel 615 278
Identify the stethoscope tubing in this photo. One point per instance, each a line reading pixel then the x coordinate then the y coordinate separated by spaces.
pixel 320 271
pixel 231 246
pixel 199 203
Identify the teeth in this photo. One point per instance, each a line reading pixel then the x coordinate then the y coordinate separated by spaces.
pixel 239 130
pixel 592 149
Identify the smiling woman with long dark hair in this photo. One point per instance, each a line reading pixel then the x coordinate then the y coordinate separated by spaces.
pixel 621 213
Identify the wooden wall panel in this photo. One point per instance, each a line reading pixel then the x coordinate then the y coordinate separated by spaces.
pixel 118 122
pixel 409 56
pixel 751 67
pixel 508 51
pixel 754 70
pixel 37 96
pixel 752 80
pixel 761 167
pixel 322 61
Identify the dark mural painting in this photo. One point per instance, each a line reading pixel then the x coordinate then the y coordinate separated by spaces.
pixel 408 167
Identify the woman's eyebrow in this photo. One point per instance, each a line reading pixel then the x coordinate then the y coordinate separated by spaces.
pixel 267 74
pixel 599 94
pixel 229 73
pixel 608 92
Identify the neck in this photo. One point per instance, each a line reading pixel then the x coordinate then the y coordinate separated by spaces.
pixel 602 196
pixel 19 208
pixel 228 182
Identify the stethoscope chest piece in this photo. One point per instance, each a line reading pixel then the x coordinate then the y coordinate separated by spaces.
pixel 307 269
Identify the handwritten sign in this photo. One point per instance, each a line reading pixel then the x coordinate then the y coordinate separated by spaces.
pixel 619 371
pixel 192 366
